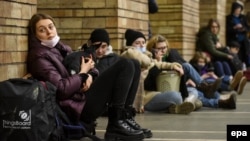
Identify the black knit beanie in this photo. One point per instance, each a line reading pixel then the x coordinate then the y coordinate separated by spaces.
pixel 132 35
pixel 234 44
pixel 99 35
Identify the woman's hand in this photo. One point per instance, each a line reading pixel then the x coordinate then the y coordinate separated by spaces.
pixel 140 110
pixel 212 74
pixel 218 45
pixel 178 69
pixel 88 83
pixel 205 76
pixel 190 83
pixel 230 57
pixel 158 56
pixel 87 64
pixel 238 26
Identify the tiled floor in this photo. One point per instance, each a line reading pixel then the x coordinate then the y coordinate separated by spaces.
pixel 204 125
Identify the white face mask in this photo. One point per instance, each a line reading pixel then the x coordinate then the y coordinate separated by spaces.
pixel 141 49
pixel 51 43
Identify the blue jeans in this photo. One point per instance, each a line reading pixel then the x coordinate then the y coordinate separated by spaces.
pixel 192 91
pixel 162 101
pixel 209 102
pixel 222 68
pixel 191 73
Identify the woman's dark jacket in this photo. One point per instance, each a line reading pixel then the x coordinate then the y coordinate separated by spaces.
pixel 231 33
pixel 206 42
pixel 45 64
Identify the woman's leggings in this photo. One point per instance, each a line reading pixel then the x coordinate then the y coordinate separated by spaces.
pixel 115 86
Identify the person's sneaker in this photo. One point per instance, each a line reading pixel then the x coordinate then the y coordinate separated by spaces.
pixel 241 85
pixel 229 103
pixel 236 80
pixel 184 108
pixel 209 88
pixel 198 104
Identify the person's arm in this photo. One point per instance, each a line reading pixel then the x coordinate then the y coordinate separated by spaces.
pixel 209 46
pixel 169 66
pixel 132 53
pixel 66 85
pixel 245 24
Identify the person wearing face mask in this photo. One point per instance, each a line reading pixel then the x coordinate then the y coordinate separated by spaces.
pixel 208 42
pixel 201 62
pixel 148 99
pixel 81 97
pixel 106 58
pixel 204 67
pixel 237 28
pixel 160 46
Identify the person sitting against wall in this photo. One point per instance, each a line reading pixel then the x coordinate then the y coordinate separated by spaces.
pixel 201 62
pixel 148 99
pixel 208 42
pixel 79 96
pixel 160 43
pixel 192 78
pixel 107 58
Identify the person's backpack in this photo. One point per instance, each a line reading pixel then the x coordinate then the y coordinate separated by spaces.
pixel 29 112
pixel 26 110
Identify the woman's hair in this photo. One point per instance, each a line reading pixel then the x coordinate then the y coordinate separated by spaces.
pixel 154 40
pixel 198 55
pixel 32 27
pixel 211 21
pixel 35 19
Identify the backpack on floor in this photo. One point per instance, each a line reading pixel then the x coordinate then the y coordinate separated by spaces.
pixel 29 112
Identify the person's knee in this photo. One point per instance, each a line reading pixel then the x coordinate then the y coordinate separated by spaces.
pixel 128 64
pixel 136 65
pixel 175 97
pixel 186 66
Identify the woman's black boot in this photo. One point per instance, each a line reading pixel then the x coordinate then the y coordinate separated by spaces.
pixel 130 114
pixel 118 128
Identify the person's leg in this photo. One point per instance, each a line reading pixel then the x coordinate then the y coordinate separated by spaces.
pixel 209 86
pixel 192 92
pixel 246 44
pixel 192 73
pixel 241 52
pixel 201 85
pixel 208 102
pixel 130 110
pixel 188 104
pixel 227 69
pixel 193 98
pixel 134 84
pixel 112 87
pixel 219 70
pixel 225 81
pixel 229 102
pixel 162 101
